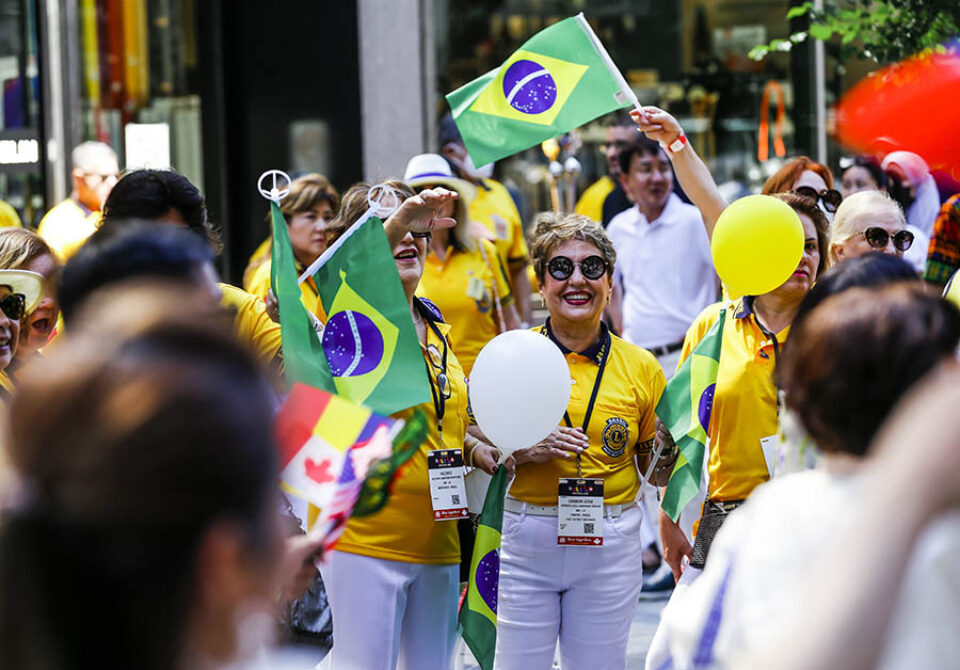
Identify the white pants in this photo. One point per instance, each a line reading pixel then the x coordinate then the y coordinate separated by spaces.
pixel 388 610
pixel 586 596
pixel 658 655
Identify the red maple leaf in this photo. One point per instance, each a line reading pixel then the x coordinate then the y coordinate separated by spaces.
pixel 319 472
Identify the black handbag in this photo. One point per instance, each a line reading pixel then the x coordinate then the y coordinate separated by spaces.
pixel 712 518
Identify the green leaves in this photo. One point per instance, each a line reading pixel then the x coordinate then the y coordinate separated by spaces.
pixel 879 30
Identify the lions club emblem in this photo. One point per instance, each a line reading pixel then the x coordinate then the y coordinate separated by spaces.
pixel 616 434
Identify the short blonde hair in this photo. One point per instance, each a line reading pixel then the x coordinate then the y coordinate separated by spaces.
pixel 857 211
pixel 307 192
pixel 19 247
pixel 553 229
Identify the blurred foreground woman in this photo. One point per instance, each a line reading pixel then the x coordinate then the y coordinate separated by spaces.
pixel 142 529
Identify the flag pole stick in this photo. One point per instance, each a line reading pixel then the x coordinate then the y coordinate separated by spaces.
pixel 611 66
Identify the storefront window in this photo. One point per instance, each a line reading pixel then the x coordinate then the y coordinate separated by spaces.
pixel 21 167
pixel 687 56
pixel 140 82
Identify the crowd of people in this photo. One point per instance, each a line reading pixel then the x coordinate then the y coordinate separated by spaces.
pixel 142 521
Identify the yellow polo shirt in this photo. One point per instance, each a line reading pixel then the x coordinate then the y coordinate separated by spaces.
pixel 590 203
pixel 473 321
pixel 495 209
pixel 745 400
pixel 8 216
pixel 67 226
pixel 404 530
pixel 260 256
pixel 251 322
pixel 260 284
pixel 623 419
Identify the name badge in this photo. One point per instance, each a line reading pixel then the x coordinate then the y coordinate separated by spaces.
pixel 580 512
pixel 475 288
pixel 448 493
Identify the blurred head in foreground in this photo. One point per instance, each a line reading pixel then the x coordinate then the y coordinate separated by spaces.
pixel 143 521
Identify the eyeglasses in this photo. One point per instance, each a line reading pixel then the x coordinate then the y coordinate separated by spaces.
pixel 831 198
pixel 878 238
pixel 592 267
pixel 13 305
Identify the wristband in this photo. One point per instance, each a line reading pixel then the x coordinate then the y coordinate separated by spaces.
pixel 677 145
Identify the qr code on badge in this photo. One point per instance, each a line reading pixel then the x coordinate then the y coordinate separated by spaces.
pixel 588 528
pixel 456 499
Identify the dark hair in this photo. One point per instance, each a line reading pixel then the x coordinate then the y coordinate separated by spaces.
pixel 849 362
pixel 871 165
pixel 148 195
pixel 642 146
pixel 448 133
pixel 129 452
pixel 138 249
pixel 809 208
pixel 871 269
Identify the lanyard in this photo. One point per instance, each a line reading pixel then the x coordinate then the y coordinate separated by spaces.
pixel 436 390
pixel 591 403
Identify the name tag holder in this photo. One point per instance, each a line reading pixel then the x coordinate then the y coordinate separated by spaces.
pixel 448 491
pixel 580 512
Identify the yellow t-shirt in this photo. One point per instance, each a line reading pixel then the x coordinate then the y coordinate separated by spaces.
pixel 495 209
pixel 745 401
pixel 590 203
pixel 8 216
pixel 472 316
pixel 67 226
pixel 622 420
pixel 257 258
pixel 405 530
pixel 260 284
pixel 251 322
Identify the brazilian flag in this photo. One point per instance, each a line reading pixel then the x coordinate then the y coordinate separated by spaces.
pixel 303 357
pixel 559 79
pixel 685 408
pixel 369 340
pixel 478 614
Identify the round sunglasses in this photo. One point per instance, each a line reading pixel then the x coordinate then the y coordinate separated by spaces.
pixel 831 198
pixel 13 305
pixel 878 238
pixel 592 267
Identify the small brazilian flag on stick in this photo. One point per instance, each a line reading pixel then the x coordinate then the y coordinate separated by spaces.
pixel 369 340
pixel 561 78
pixel 478 613
pixel 685 408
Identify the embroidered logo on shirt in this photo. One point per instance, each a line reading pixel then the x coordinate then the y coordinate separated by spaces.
pixel 616 434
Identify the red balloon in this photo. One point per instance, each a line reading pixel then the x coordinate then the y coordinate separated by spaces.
pixel 910 106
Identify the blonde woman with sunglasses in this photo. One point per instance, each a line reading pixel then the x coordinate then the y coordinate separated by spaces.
pixel 20 293
pixel 868 221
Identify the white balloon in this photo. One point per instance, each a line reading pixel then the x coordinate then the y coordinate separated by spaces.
pixel 519 389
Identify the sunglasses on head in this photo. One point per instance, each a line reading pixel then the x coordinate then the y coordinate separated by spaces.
pixel 591 267
pixel 13 305
pixel 878 238
pixel 831 198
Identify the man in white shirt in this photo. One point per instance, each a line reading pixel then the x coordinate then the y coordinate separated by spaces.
pixel 664 274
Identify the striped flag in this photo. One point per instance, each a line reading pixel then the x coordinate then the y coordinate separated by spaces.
pixel 478 613
pixel 685 409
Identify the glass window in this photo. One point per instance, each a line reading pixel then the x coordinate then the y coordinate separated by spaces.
pixel 21 165
pixel 139 82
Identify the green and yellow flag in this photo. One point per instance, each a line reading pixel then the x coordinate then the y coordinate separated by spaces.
pixel 478 613
pixel 685 408
pixel 559 79
pixel 369 341
pixel 303 357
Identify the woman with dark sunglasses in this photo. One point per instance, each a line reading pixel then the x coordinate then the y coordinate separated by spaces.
pixel 579 580
pixel 20 293
pixel 868 221
pixel 393 578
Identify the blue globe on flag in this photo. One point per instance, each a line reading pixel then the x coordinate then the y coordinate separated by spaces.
pixel 353 344
pixel 706 406
pixel 529 87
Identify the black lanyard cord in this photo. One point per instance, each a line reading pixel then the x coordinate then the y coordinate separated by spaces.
pixel 439 405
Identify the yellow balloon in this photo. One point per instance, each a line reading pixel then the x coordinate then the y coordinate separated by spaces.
pixel 757 244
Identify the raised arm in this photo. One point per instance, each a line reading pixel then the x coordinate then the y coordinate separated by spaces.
pixel 690 169
pixel 419 214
